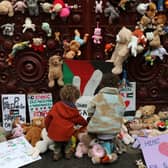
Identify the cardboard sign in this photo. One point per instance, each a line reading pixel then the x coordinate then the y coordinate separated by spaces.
pixel 129 96
pixel 82 105
pixel 13 105
pixel 14 153
pixel 39 104
pixel 155 151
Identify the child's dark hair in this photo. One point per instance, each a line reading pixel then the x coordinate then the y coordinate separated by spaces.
pixel 109 80
pixel 69 93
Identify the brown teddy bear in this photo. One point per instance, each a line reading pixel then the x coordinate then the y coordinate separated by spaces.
pixel 71 49
pixel 121 51
pixel 33 132
pixel 55 71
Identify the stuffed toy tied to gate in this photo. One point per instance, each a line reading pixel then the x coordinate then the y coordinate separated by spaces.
pixel 55 71
pixel 121 51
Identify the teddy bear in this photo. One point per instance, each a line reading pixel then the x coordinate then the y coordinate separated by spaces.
pixel 121 51
pixel 37 44
pixel 55 71
pixel 147 19
pixel 42 145
pixel 83 144
pixel 6 8
pixel 72 48
pixel 20 6
pixel 33 132
pixel 110 12
pixel 145 111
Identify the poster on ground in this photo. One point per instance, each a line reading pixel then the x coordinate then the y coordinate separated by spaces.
pixel 155 151
pixel 14 153
pixel 129 95
pixel 39 104
pixel 13 105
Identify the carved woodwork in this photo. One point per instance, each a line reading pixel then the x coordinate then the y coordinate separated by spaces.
pixel 29 72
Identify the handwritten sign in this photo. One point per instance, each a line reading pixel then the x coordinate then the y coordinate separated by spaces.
pixel 14 153
pixel 13 105
pixel 129 95
pixel 155 151
pixel 82 105
pixel 39 104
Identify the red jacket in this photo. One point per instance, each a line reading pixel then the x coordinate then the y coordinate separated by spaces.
pixel 60 121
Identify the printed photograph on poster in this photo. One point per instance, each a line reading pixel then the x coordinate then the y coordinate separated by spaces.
pixel 129 96
pixel 13 105
pixel 155 151
pixel 14 153
pixel 39 104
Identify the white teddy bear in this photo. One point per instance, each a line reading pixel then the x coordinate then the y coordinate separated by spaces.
pixel 42 145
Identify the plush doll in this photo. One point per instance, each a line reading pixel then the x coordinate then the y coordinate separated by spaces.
pixel 98 8
pixel 145 111
pixel 146 20
pixel 124 135
pixel 110 12
pixel 37 44
pixel 156 42
pixel 138 42
pixel 8 29
pixel 33 132
pixel 72 48
pixel 121 51
pixel 16 47
pixel 42 145
pixel 97 37
pixel 28 25
pixel 78 38
pixel 46 27
pixel 20 6
pixel 142 8
pixel 33 7
pixel 46 7
pixel 96 152
pixel 55 71
pixel 6 8
pixel 17 131
pixel 83 144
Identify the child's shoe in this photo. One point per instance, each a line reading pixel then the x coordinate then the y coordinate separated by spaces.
pixel 57 156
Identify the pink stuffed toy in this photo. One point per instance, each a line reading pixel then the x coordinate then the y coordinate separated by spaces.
pixel 97 37
pixel 20 6
pixel 83 145
pixel 96 152
pixel 17 131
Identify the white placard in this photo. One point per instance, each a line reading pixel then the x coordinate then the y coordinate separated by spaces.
pixel 82 105
pixel 14 153
pixel 129 96
pixel 13 105
pixel 39 104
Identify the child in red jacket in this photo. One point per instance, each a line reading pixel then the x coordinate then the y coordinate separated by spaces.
pixel 61 119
